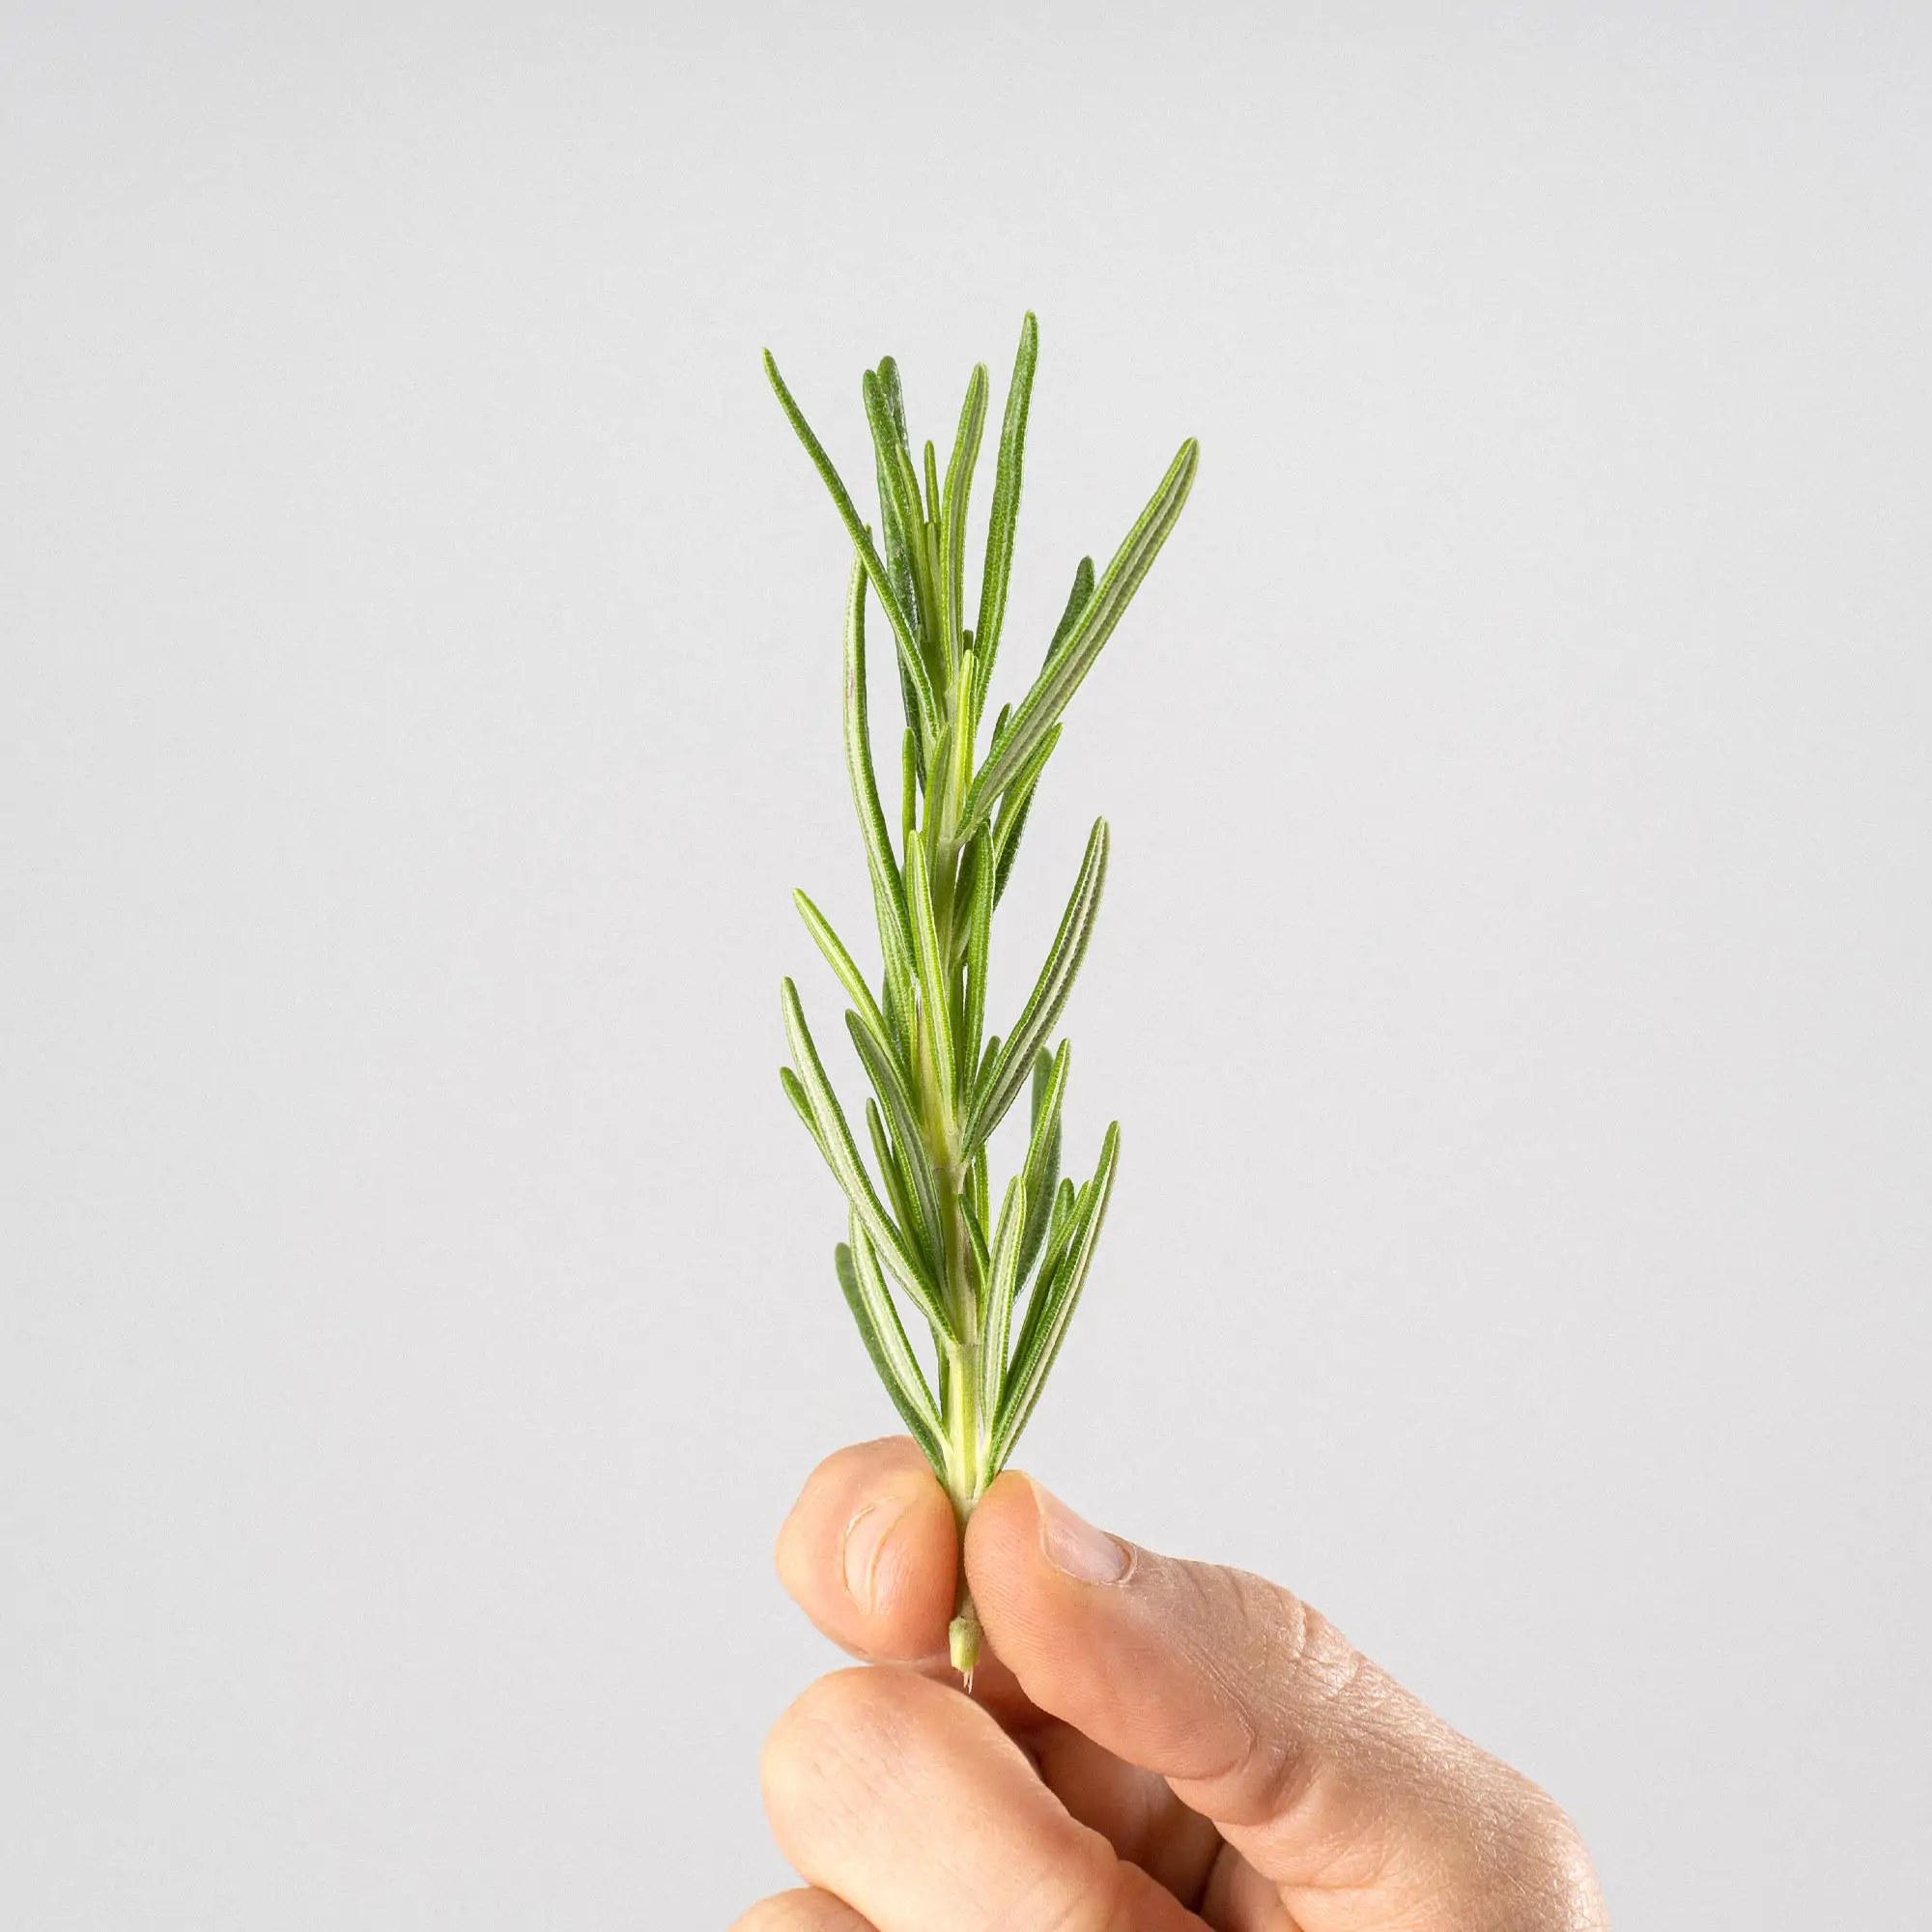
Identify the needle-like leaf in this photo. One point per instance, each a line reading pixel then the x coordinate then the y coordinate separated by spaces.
pixel 1059 1228
pixel 1044 1005
pixel 801 1106
pixel 973 1218
pixel 959 488
pixel 885 1338
pixel 935 1009
pixel 1077 600
pixel 862 542
pixel 978 870
pixel 891 1171
pixel 894 939
pixel 889 1084
pixel 841 1155
pixel 1003 1281
pixel 1042 1171
pixel 1049 1313
pixel 840 962
pixel 1012 816
pixel 893 391
pixel 1012 824
pixel 892 533
pixel 900 500
pixel 1061 677
pixel 1005 517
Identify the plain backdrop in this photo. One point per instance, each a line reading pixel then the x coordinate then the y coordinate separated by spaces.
pixel 421 696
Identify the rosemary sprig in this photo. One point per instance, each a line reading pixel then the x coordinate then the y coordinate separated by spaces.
pixel 997 1299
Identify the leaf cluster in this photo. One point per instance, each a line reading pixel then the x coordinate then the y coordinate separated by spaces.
pixel 995 1290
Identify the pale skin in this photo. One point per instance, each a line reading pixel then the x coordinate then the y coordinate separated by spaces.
pixel 1151 1745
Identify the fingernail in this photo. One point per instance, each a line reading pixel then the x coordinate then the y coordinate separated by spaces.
pixel 864 1538
pixel 1074 1547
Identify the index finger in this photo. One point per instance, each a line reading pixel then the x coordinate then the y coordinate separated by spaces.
pixel 871 1553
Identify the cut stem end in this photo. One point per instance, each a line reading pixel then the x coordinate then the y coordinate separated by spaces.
pixel 963 1641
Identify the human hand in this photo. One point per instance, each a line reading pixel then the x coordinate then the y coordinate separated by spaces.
pixel 1152 1745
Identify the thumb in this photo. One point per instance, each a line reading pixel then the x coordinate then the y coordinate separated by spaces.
pixel 1319 1770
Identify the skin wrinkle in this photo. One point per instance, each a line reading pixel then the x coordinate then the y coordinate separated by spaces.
pixel 1365 1724
pixel 1376 1733
pixel 1135 1808
pixel 1299 1775
pixel 1289 1639
pixel 1091 1904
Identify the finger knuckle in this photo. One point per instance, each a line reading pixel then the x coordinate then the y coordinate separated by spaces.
pixel 1539 1873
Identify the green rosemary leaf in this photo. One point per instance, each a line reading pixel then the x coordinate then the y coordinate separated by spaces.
pixel 862 542
pixel 1044 1005
pixel 890 1085
pixel 934 1006
pixel 1027 772
pixel 1014 822
pixel 899 1196
pixel 897 546
pixel 978 871
pixel 885 1339
pixel 894 939
pixel 902 495
pixel 841 1155
pixel 1012 815
pixel 938 764
pixel 840 962
pixel 1049 1313
pixel 1070 662
pixel 1061 1225
pixel 958 487
pixel 1002 1283
pixel 973 1218
pixel 1077 600
pixel 910 767
pixel 1004 516
pixel 900 1002
pixel 1041 1171
pixel 885 417
pixel 943 626
pixel 893 391
pixel 909 700
pixel 989 1058
pixel 959 771
pixel 1066 1196
pixel 966 882
pixel 801 1106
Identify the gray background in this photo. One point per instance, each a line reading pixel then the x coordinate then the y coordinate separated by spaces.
pixel 420 696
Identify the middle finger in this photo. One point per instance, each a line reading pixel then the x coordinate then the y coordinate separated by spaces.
pixel 908 1801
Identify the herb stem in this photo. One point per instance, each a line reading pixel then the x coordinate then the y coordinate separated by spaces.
pixel 965 1480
